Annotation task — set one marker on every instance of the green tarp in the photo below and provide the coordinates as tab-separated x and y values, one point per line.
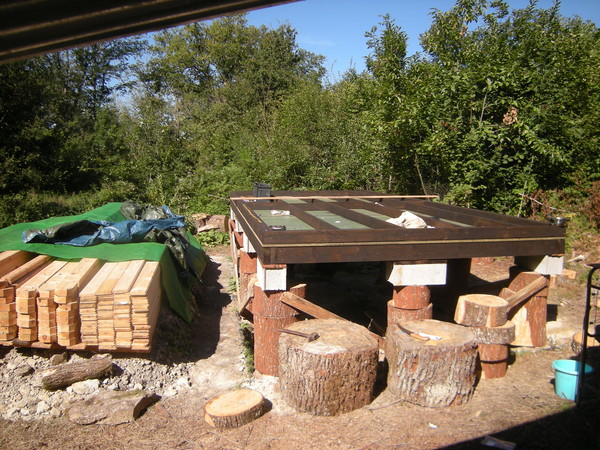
177	290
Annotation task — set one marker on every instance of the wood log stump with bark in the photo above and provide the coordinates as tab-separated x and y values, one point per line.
270	315
530	316
481	310
411	297
234	409
66	374
493	359
433	373
331	375
400	315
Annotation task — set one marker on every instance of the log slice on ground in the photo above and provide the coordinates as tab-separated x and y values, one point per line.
234	409
432	373
331	375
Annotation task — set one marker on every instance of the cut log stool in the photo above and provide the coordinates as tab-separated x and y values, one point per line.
234	409
434	373
493	348
331	375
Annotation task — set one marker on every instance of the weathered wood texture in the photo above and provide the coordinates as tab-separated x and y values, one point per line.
411	297
69	373
530	316
400	315
331	375
432	373
234	409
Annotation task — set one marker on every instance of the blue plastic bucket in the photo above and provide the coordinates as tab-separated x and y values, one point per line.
566	373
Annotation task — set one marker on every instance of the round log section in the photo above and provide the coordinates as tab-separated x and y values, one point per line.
493	359
592	347
481	310
411	297
433	373
504	334
234	409
332	374
270	315
398	315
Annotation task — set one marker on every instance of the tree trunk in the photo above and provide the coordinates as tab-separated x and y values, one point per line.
481	310
432	373
411	297
493	359
67	374
332	374
399	315
529	317
234	409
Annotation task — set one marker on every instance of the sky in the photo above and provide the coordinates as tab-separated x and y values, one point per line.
336	28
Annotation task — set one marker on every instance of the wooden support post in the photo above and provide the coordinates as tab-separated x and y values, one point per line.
410	300
530	316
247	279
270	315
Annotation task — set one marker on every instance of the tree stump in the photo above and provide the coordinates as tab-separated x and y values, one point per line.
332	374
411	297
234	409
529	317
481	310
432	373
504	334
398	315
493	359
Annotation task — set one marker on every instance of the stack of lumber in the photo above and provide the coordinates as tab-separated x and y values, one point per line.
78	305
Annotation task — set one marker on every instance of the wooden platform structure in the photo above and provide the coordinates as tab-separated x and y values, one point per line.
292	227
86	304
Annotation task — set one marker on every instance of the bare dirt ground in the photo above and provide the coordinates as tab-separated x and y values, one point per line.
521	408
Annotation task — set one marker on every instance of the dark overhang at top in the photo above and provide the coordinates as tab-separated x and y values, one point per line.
33	27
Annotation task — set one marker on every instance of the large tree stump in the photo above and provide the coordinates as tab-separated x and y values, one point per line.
432	373
332	374
234	409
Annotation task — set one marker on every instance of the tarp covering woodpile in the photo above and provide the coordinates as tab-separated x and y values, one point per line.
177	274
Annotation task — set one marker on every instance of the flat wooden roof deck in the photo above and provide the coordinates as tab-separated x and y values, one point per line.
344	226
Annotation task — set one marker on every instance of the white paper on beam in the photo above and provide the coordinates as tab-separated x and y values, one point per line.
271	279
544	264
416	274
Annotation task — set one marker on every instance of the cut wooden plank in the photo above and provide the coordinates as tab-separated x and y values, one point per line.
27	295
307	307
88	305
23	270
11	259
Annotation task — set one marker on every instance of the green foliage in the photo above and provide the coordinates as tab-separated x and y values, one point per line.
212	238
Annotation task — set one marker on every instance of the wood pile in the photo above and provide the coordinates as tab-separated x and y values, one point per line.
84	304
